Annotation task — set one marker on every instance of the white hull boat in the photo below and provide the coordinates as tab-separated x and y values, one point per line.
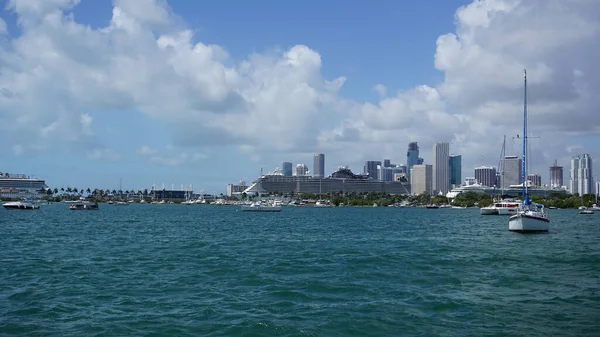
260	207
529	222
20	205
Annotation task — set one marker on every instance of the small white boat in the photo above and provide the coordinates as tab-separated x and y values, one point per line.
503	207
24	204
122	203
260	207
323	204
585	211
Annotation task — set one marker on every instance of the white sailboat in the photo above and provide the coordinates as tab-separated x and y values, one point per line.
322	203
531	217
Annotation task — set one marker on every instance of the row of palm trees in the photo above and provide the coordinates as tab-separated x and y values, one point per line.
93	192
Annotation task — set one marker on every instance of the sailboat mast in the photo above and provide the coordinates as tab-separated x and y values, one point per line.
524	163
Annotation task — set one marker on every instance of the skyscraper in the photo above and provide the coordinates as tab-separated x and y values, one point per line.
455	170
511	166
441	167
371	168
319	165
486	175
286	169
581	175
421	179
387	163
412	156
556	175
535	179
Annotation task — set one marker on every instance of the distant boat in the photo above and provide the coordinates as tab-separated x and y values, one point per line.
84	205
530	217
259	206
24	204
586	211
432	206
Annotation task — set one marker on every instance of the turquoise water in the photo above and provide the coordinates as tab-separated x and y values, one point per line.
176	270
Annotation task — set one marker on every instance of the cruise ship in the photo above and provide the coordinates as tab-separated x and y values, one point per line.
20	186
343	180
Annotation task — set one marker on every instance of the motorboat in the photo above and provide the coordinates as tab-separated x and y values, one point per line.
502	207
259	206
84	205
23	204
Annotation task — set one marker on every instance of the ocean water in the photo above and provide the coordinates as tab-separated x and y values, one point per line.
199	270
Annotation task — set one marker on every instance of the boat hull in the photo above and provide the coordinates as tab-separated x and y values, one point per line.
261	208
498	211
20	205
523	223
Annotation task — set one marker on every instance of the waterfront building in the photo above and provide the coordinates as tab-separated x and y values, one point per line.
239	188
441	167
512	166
371	169
422	179
455	170
319	165
535	179
287	169
21	186
301	170
412	156
556	175
580	180
486	175
386	173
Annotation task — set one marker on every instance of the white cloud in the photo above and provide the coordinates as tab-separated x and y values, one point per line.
104	155
278	102
146	150
3	29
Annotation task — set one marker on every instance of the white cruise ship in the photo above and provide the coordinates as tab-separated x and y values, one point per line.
20	186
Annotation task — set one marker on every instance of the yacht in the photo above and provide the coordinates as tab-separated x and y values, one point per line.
585	211
259	206
323	204
502	207
84	205
24	204
531	217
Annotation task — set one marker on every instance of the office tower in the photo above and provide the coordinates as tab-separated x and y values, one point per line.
301	170
319	166
412	156
286	169
371	168
512	166
556	175
535	179
581	175
387	173
455	170
486	176
441	167
387	163
421	180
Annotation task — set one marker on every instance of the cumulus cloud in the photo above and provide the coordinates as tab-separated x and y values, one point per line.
58	73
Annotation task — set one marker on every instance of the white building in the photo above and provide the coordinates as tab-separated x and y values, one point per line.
580	178
441	167
421	179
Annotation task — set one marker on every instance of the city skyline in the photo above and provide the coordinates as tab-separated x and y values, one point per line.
206	93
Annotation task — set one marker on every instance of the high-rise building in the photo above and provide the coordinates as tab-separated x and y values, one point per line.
286	169
301	170
412	156
387	163
441	167
581	175
535	179
319	165
387	173
455	170
486	175
556	176
421	179
371	168
511	167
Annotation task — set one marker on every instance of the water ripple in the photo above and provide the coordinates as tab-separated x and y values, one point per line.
213	271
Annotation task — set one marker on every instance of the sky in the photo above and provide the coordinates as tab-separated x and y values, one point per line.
205	93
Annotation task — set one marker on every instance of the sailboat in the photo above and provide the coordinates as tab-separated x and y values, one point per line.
322	203
121	202
531	217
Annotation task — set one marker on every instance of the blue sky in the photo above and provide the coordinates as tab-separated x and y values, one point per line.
388	43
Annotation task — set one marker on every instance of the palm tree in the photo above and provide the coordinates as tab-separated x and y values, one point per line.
55	190
69	190
145	191
89	191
